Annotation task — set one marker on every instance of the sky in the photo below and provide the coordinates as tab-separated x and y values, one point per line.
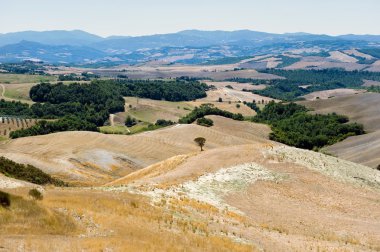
143	17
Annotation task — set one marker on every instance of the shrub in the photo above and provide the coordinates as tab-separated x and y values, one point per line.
205	122
129	121
5	200
35	194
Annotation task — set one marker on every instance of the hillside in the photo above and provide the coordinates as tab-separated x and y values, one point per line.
93	158
300	188
189	47
362	108
157	191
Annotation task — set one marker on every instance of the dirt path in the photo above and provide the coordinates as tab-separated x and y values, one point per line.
112	121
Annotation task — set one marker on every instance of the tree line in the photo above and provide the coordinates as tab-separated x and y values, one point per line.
302	82
292	125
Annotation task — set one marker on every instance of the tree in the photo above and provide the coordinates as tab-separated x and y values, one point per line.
129	121
220	99
5	200
200	141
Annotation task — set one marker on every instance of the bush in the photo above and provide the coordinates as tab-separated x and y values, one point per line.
205	122
35	194
5	200
164	123
130	121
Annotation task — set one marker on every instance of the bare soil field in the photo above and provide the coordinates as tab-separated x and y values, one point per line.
362	108
243	193
375	67
369	83
93	158
247	180
233	95
335	61
325	65
218	72
360	149
342	57
327	94
358	54
235	85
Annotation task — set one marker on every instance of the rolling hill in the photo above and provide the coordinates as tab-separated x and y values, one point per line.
189	46
362	108
93	158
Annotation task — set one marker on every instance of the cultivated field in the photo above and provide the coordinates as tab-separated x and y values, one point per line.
8	124
217	72
158	191
93	158
362	108
24	78
327	94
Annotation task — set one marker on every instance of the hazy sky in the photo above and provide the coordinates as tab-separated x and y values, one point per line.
139	17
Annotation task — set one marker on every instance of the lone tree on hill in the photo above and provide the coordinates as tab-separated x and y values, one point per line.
200	141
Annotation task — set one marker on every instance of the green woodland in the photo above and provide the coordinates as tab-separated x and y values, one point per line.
87	106
292	125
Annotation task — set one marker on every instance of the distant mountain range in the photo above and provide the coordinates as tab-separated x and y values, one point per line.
190	46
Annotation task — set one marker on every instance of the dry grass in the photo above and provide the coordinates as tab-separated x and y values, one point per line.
24	78
28	217
118	222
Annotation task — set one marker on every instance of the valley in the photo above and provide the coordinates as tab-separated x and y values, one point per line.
191	141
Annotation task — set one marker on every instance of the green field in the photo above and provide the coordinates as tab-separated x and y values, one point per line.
25	78
151	110
124	130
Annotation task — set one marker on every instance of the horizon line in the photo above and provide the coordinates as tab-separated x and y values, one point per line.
201	30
